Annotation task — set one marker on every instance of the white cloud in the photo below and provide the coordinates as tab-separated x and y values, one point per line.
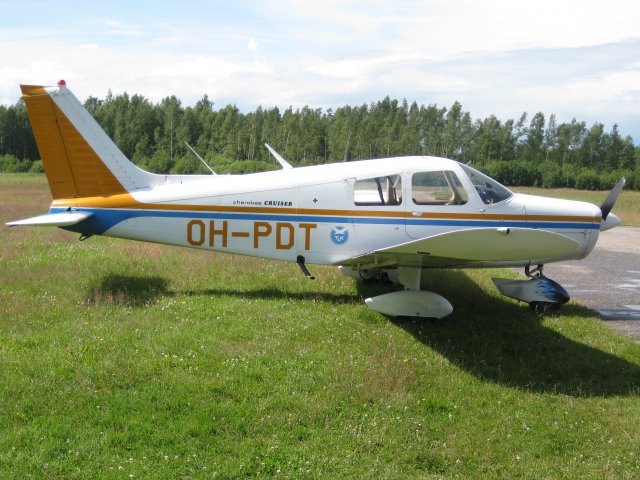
402	75
445	28
115	27
33	72
494	56
350	15
207	67
596	95
92	71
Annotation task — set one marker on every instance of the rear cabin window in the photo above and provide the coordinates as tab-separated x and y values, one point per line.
437	188
385	190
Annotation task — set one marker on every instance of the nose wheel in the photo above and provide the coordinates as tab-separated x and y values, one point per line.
544	307
540	292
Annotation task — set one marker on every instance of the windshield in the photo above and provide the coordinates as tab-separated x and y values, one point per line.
489	190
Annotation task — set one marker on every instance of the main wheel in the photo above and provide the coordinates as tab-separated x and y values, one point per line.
543	307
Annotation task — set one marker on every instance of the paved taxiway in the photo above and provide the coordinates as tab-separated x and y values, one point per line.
608	280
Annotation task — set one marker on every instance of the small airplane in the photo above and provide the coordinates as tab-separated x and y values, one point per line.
385	219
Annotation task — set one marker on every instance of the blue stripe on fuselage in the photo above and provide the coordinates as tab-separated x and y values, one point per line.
103	219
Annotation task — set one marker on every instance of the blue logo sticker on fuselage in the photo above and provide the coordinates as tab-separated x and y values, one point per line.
339	235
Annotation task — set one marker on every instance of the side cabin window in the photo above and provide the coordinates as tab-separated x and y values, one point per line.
437	188
385	190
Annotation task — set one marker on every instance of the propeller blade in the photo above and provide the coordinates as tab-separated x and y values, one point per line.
608	203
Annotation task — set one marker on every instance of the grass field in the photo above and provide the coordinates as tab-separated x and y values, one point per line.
127	360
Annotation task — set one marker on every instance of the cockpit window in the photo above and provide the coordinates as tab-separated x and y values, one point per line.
385	190
437	188
489	190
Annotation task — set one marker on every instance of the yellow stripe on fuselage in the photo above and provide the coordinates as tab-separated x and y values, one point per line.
126	201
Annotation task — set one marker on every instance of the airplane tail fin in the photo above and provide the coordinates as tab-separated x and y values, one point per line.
79	158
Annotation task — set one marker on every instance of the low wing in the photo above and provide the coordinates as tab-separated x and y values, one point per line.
52	220
471	246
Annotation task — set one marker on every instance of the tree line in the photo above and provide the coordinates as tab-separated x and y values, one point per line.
529	151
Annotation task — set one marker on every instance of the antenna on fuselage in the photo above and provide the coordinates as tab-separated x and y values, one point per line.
278	157
200	158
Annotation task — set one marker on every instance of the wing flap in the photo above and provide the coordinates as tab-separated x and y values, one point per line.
52	220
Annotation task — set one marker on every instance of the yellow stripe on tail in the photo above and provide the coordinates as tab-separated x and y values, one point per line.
72	166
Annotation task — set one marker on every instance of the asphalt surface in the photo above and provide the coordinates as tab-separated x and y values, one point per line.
608	280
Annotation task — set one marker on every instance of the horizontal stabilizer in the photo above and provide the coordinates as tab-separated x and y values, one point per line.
52	220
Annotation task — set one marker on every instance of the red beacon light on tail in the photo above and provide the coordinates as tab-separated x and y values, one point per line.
62	83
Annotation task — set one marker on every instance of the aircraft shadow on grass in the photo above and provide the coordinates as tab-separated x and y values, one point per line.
512	348
515	349
128	290
278	294
139	291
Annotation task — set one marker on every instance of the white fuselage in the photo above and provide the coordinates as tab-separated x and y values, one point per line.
328	213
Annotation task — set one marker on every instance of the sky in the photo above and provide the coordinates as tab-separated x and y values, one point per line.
575	59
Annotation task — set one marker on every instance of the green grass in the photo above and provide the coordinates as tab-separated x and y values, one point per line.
627	208
129	360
